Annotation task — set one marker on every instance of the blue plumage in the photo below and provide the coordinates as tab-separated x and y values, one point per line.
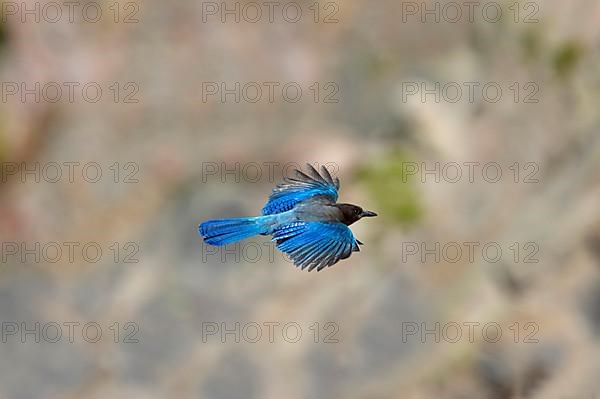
287	195
316	244
303	218
228	231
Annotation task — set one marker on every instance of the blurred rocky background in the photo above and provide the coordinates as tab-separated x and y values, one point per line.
172	152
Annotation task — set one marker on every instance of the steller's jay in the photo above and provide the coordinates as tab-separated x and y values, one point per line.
304	219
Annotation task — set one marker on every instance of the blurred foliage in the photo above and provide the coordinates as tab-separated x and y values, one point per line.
392	188
531	41
563	59
566	58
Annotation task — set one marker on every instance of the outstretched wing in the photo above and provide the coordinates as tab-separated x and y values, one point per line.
300	187
315	244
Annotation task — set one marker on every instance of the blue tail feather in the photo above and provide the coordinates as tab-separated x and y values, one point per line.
228	231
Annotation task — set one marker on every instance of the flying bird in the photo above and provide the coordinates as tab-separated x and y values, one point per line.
304	219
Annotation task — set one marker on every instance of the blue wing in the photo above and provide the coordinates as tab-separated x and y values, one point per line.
301	187
315	244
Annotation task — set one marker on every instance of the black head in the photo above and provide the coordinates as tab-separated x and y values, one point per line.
352	213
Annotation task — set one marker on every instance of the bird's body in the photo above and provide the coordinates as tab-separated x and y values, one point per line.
304	219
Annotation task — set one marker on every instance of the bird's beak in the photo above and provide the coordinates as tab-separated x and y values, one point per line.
367	214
